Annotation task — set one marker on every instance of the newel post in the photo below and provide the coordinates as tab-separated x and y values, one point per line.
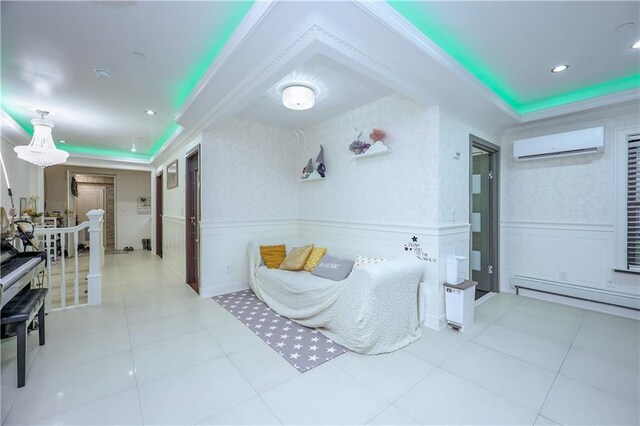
96	254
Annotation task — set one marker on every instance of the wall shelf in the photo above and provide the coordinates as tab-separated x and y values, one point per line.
372	154
311	179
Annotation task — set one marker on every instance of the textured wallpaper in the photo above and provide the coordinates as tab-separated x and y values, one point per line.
576	189
401	187
249	173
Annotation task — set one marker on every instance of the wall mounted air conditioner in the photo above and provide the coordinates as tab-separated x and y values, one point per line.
583	141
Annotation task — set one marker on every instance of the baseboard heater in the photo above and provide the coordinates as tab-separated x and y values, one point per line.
573	291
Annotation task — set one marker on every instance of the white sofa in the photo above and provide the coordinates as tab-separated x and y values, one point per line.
374	310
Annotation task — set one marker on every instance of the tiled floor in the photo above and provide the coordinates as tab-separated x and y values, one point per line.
155	353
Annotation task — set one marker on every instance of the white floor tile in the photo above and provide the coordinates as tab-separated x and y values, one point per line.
389	375
163	294
61	390
571	402
145	332
194	395
625	327
551	310
263	367
540	325
436	346
85	320
250	412
119	409
324	395
536	350
605	373
233	336
392	416
444	398
66	352
623	348
154	310
543	421
213	315
174	354
519	381
151	284
496	306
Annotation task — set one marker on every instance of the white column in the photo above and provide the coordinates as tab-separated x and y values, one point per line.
96	254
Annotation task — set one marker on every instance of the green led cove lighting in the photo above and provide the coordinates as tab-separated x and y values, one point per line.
234	14
415	13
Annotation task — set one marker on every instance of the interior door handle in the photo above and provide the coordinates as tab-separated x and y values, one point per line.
193	220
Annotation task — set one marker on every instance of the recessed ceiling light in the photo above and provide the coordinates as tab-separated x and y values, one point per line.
636	45
559	68
133	148
102	73
139	55
624	27
150	112
62	141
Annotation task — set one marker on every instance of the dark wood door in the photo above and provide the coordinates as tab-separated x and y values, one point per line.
159	210
192	219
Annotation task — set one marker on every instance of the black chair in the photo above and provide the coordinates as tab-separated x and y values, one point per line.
20	311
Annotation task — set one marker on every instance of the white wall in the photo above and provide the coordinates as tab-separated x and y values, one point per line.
558	214
23	178
131	227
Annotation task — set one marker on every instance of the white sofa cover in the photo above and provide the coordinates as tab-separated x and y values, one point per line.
374	310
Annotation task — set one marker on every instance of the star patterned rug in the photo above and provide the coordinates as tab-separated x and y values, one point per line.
302	347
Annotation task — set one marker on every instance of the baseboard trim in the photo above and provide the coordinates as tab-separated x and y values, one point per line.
223	289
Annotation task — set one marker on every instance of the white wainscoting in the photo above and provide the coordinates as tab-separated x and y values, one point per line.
131	229
223	253
577	254
173	244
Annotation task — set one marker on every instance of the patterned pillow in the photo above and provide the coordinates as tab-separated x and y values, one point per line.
296	259
366	261
314	258
273	256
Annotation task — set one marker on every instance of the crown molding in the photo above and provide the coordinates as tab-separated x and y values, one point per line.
11	131
587	104
391	19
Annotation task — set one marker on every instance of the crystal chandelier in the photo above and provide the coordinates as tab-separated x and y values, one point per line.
298	97
41	151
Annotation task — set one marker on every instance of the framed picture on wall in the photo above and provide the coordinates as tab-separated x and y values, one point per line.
23	205
172	174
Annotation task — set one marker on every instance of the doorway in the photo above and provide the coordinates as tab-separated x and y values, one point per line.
192	214
483	215
90	184
90	198
159	211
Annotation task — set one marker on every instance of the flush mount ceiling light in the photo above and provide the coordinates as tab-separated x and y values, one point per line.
102	73
636	45
559	68
150	112
41	151
298	97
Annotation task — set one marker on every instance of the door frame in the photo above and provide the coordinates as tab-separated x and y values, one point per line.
159	212
494	205
190	198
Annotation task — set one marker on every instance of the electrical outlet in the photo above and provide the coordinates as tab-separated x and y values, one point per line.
228	269
564	276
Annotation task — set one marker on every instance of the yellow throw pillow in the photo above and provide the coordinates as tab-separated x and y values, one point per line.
296	258
314	258
273	256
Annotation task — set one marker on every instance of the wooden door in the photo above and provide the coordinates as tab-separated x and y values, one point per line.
89	198
159	211
192	219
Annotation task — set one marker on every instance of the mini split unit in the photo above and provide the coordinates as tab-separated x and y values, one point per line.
585	141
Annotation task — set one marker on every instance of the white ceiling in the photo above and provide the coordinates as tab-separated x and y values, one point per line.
338	89
353	52
50	51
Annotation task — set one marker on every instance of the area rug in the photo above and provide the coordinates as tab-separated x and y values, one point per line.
302	347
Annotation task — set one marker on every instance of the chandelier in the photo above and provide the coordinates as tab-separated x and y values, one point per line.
298	97
41	151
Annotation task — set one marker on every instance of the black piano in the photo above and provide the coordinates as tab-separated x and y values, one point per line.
18	270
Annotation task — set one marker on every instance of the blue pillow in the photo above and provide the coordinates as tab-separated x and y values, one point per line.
333	268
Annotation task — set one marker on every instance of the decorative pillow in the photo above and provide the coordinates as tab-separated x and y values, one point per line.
333	268
365	261
296	258
273	256
314	258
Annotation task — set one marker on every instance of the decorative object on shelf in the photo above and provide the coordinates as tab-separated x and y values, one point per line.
320	163
308	169
358	146
298	97
23	205
172	174
377	135
41	151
